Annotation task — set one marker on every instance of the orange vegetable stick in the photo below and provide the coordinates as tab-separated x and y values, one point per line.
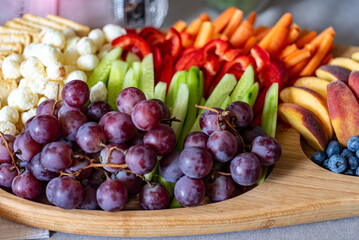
295	70
296	57
241	35
301	41
327	59
205	34
233	23
180	26
288	50
186	39
252	17
312	48
319	38
194	27
223	19
223	37
248	45
292	36
283	22
277	43
262	34
259	30
295	26
323	49
303	32
204	17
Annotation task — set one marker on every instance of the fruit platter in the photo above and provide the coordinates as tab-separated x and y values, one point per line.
210	126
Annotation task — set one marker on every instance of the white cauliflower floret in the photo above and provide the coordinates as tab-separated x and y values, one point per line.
15	57
98	36
7	127
27	115
86	46
98	92
76	75
10	114
56	71
11	69
113	31
71	42
44	52
22	99
53	38
87	62
32	68
50	90
104	50
69	32
41	100
71	55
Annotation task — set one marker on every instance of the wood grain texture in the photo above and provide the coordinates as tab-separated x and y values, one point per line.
297	191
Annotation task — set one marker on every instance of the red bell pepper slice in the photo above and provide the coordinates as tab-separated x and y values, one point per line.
260	56
132	43
269	74
157	63
187	50
173	43
131	31
167	69
216	47
231	54
259	104
150	31
283	71
211	64
186	60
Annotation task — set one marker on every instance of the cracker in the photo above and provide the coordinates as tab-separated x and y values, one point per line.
20	24
80	29
23	38
6	86
44	22
16	47
29	24
16	30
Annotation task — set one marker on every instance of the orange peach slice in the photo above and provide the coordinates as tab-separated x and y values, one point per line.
313	83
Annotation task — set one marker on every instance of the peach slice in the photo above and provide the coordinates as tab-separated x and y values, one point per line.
345	62
312	101
313	83
353	83
343	111
333	73
306	123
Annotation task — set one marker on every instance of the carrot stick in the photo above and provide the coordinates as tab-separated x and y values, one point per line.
301	41
292	36
205	34
277	43
193	27
261	35
319	38
241	35
252	17
295	70
204	17
186	39
327	59
296	57
312	48
223	19
288	50
295	26
259	30
223	37
233	23
319	55
180	26
248	45
303	32
283	22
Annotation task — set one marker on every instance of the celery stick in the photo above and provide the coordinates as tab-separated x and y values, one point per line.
168	185
263	176
147	76
102	70
115	81
130	79
175	204
244	83
180	108
203	101
194	86
218	96
269	117
151	174
160	91
177	79
137	72
132	57
251	95
226	102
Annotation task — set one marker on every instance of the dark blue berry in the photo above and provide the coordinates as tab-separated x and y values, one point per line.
357	172
337	164
349	172
346	152
325	163
318	157
333	148
357	154
353	162
353	144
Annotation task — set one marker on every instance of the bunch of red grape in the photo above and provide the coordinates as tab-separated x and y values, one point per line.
93	157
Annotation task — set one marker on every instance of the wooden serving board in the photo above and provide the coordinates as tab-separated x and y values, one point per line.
297	191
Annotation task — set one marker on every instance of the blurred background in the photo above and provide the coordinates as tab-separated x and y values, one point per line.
312	14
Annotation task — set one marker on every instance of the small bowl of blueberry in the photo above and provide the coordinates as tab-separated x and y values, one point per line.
338	159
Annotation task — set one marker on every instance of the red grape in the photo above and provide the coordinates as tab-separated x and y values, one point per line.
189	192
66	108
50	189
166	114
26	147
67	193
112	195
26	186
90	136
75	93
79	163
27	123
97	109
267	149
132	182
146	115
47	106
45	128
56	156
117	156
128	98
5	156
222	145
209	122
251	132
169	167
242	112
141	159
162	139
70	122
196	139
195	162
220	188
246	169
38	171
7	174
155	197
89	201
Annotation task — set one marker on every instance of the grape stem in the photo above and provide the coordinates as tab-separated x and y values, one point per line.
224	114
56	100
170	120
10	152
224	173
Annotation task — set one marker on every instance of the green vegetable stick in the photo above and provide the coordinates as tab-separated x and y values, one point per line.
177	79
269	117
115	81
180	108
130	79
160	91
137	72
147	76
168	185
244	83
102	70
132	57
251	95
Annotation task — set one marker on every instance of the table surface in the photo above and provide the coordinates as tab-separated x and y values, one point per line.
311	14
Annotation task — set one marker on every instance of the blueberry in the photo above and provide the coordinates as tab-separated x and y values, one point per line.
357	154
353	144
337	164
318	157
333	148
353	162
346	152
356	172
349	172
325	163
